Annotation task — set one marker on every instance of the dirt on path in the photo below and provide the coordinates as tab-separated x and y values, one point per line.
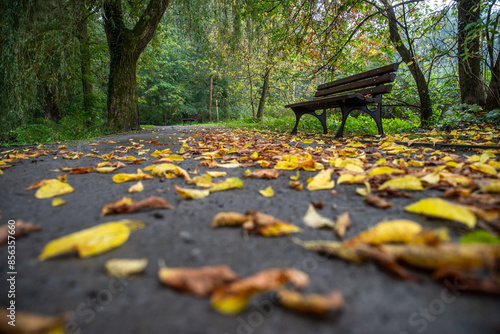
375	301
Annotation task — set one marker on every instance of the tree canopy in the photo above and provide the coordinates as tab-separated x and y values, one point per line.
110	64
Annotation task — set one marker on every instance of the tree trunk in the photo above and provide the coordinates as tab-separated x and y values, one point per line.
408	58
263	96
493	98
469	56
85	69
52	111
210	98
125	47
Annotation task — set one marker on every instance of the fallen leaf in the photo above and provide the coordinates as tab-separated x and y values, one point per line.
268	192
480	237
200	282
93	240
267	225
128	205
203	181
136	188
313	304
384	170
398	230
295	177
491	187
364	191
121	177
407	182
342	223
52	188
58	202
377	201
234	297
191	193
105	170
297	185
229	183
18	229
31	323
77	170
264	174
229	219
466	282
322	180
439	208
125	267
351	179
315	220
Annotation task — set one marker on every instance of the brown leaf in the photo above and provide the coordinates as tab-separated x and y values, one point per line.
234	297
377	201
342	223
264	174
77	170
19	229
312	304
229	219
31	323
463	281
127	205
297	185
197	281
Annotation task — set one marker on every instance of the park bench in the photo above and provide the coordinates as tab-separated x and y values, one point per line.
361	91
190	118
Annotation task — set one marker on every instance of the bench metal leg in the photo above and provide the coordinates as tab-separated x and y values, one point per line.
321	117
375	114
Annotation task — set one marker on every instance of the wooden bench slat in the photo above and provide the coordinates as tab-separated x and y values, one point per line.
368	74
383	79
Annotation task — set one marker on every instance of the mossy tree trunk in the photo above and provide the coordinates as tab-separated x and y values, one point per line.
125	48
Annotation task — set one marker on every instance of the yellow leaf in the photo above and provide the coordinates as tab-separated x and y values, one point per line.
295	177
364	191
106	170
125	267
384	170
229	183
175	157
254	155
286	165
414	163
492	187
229	219
136	188
400	230
121	177
322	180
203	181
439	208
217	174
157	154
191	193
484	168
407	182
297	185
268	192
431	178
92	241
53	188
58	202
349	178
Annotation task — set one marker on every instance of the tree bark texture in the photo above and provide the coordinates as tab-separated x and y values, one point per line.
85	68
493	97
263	96
408	58
125	47
52	111
469	56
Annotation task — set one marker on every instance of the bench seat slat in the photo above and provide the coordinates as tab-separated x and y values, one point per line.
375	72
383	79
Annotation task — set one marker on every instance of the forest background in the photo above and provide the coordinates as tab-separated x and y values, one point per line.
77	69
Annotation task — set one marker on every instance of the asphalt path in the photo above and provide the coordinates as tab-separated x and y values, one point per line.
375	301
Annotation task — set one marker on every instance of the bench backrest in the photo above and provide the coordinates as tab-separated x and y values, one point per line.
370	82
